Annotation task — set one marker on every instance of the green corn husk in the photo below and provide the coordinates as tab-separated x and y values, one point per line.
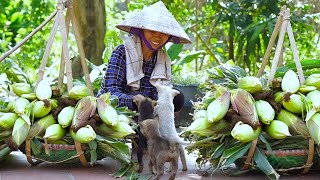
313	125
4	134
296	125
21	88
250	83
7	120
244	132
200	122
107	113
119	131
40	126
54	104
106	98
30	96
43	90
218	108
65	116
123	118
41	108
83	135
20	105
85	108
20	131
122	130
54	132
293	103
278	97
265	111
290	82
78	92
221	127
313	80
243	103
277	129
314	97
4	152
306	89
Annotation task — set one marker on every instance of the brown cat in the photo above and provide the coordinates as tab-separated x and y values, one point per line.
161	150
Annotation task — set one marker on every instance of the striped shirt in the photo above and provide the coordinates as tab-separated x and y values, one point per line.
115	78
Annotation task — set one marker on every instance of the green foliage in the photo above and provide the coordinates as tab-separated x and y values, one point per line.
18	18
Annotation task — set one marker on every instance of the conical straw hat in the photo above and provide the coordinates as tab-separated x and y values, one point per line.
155	17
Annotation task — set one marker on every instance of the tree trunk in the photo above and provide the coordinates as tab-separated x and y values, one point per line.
91	17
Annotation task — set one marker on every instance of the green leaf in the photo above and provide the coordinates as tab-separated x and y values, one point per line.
239	153
266	143
257	30
189	57
218	151
232	154
264	165
174	51
121	172
93	151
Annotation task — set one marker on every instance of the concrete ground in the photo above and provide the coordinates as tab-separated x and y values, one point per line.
16	167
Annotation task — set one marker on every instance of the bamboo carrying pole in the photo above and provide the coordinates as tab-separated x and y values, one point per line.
65	65
283	24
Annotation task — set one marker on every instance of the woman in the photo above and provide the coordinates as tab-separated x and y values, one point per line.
135	66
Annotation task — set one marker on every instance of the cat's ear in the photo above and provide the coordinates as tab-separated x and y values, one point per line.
175	92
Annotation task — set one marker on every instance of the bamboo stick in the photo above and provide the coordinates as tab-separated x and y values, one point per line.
65	48
271	42
47	50
62	62
81	51
279	46
295	53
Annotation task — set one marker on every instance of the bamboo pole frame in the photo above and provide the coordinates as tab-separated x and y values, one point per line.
282	26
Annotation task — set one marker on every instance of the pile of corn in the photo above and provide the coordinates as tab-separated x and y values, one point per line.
238	108
57	117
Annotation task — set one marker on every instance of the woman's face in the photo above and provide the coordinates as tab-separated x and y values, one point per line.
156	39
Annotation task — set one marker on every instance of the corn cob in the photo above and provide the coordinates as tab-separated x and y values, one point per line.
78	92
21	88
250	83
40	126
265	111
107	113
43	90
20	131
65	116
277	129
244	132
313	125
313	80
296	125
7	120
243	103
290	82
41	108
218	108
85	108
293	103
83	135
54	132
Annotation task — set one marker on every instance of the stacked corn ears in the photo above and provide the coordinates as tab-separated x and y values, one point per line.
54	116
238	108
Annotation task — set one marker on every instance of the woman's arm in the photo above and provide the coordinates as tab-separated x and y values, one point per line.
115	78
